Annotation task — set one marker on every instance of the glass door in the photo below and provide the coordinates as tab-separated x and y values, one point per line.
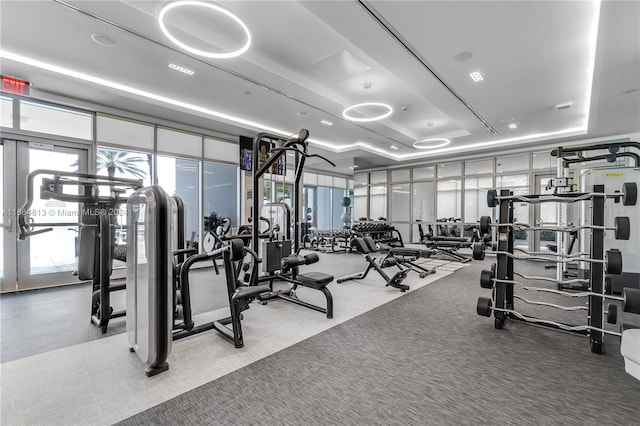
545	214
47	259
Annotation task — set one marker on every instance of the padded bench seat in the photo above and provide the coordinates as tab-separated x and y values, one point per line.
630	350
315	280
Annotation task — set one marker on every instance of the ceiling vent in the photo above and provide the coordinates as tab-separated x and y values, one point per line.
342	66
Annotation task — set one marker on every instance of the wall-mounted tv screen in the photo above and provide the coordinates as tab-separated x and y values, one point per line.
246	156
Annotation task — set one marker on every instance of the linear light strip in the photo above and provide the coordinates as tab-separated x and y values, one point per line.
593	39
132	90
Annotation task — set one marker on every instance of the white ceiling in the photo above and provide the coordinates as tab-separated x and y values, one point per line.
315	57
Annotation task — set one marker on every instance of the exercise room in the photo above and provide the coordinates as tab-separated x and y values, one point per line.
320	212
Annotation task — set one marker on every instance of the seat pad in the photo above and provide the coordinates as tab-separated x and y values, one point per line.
315	280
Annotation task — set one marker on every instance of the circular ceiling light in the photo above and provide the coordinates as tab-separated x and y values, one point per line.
103	40
431	143
195	51
385	114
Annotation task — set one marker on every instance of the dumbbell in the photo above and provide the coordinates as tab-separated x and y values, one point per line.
622	227
629	196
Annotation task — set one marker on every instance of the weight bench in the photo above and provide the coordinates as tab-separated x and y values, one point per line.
366	246
315	280
447	246
404	256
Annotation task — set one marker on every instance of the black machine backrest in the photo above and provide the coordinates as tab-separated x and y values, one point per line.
360	245
87	252
237	249
371	244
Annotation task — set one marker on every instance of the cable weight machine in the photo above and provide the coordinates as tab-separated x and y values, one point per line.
286	252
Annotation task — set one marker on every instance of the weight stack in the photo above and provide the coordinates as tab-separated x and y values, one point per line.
273	252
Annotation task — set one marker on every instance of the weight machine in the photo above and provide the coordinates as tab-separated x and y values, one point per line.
97	218
586	178
280	257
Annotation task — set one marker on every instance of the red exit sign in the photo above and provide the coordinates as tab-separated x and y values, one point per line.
15	85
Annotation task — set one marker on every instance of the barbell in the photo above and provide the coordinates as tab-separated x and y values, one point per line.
487	282
484	307
613	261
621	227
629	196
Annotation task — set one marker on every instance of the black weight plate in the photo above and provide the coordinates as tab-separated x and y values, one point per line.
492	198
485	225
614	262
608	286
483	307
631	300
486	279
494	266
478	251
629	193
623	227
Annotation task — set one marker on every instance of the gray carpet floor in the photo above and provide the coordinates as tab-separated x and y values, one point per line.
425	358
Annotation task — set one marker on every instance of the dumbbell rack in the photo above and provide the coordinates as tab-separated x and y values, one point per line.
502	302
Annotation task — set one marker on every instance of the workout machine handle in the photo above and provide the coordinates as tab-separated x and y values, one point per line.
23	235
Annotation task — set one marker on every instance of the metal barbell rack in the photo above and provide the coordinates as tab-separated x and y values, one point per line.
501	304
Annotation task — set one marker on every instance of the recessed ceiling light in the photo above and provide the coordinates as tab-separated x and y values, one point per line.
303	114
431	143
346	115
395	148
103	40
476	76
565	105
207	54
355	166
463	56
326	122
513	126
181	69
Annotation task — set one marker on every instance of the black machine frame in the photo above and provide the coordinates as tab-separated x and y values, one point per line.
318	281
97	215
